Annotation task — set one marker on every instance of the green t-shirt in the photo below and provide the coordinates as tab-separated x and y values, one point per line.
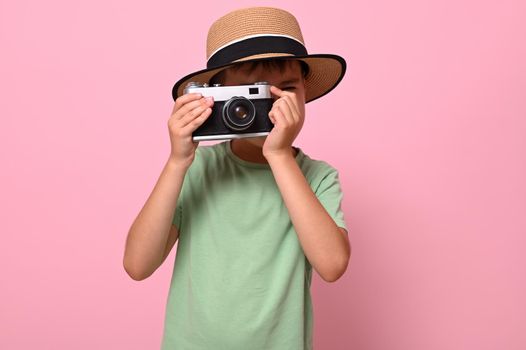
241	280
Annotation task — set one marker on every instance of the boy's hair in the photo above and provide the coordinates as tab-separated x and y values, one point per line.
219	78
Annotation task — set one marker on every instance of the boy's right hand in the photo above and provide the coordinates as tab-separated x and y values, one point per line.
190	111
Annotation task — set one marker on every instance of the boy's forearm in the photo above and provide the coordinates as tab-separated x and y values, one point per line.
148	235
326	247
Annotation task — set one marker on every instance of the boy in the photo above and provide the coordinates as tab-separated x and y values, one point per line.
252	215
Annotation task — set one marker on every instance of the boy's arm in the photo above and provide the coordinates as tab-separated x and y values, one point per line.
152	234
325	245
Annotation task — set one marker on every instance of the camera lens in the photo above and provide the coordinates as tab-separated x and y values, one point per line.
239	113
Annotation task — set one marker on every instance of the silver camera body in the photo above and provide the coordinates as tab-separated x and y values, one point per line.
238	111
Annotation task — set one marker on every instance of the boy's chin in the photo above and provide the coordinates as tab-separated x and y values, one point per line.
257	141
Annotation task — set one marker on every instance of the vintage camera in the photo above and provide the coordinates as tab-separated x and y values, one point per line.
239	111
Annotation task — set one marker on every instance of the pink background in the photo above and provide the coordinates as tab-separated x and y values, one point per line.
427	129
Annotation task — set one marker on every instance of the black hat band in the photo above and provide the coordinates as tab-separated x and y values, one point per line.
255	46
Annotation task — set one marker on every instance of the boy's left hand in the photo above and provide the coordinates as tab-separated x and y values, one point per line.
287	118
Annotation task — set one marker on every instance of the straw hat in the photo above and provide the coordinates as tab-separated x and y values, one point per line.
264	33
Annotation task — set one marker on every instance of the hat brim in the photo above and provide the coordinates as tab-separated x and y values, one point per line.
325	73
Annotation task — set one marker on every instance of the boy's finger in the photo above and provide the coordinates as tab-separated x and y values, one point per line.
196	122
287	98
278	109
190	106
279	117
187	107
275	90
183	99
287	112
292	104
194	113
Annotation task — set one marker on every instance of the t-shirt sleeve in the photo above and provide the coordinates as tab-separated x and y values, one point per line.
330	195
179	208
178	215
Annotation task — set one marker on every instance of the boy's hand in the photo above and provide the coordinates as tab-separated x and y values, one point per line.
190	111
287	117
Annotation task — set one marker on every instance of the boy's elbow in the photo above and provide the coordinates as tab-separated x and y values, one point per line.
338	269
134	272
335	274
